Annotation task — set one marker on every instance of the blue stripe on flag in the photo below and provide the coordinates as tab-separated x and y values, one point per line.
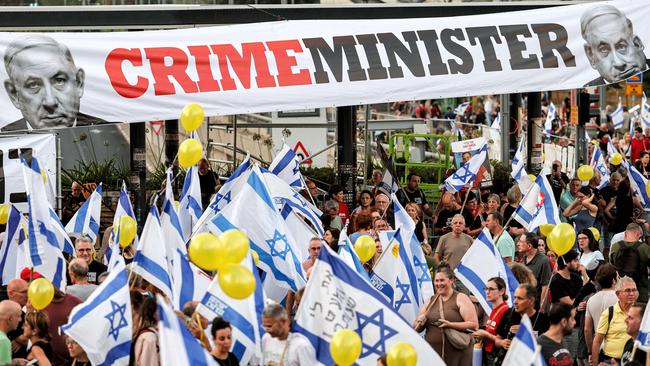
125	203
117	352
111	288
260	188
81	216
524	335
473	278
284	162
187	280
409	269
238	349
230	314
152	267
321	346
548	206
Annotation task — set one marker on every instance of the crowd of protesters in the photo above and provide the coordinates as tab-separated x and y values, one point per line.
585	305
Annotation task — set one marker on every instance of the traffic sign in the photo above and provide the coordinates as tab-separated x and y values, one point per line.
636	79
634	89
574	115
301	152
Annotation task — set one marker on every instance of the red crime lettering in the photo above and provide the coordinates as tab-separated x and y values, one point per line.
113	67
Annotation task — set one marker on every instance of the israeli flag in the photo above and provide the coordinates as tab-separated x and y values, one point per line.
643	337
645	112
550	117
245	316
178	347
394	275
286	165
617	115
233	185
150	260
102	325
496	124
388	185
524	349
538	206
254	212
301	233
598	163
86	220
406	228
282	194
466	173
349	256
461	108
638	184
189	207
123	208
519	173
46	237
480	263
12	251
336	297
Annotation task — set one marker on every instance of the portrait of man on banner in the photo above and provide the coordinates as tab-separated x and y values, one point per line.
611	46
44	84
462	151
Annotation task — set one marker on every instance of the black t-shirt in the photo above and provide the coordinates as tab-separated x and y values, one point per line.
444	218
511	317
507	213
404	197
230	361
608	193
639	355
556	184
561	287
208	183
94	270
555	354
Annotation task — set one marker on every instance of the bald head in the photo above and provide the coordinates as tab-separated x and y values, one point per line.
17	291
10	315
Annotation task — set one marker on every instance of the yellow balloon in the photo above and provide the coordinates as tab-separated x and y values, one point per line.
546	229
562	238
40	293
595	232
616	159
345	347
365	248
206	251
585	173
127	227
647	188
190	152
532	177
192	116
235	244
236	281
402	354
256	257
4	213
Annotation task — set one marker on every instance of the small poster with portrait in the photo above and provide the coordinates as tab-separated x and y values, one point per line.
464	150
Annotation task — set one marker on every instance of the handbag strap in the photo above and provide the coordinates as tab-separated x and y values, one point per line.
442	330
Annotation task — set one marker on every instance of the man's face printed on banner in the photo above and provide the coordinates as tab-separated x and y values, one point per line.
612	47
46	86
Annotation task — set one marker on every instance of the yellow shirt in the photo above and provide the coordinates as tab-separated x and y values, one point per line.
614	332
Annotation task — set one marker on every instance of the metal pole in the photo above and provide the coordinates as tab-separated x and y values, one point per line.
171	148
59	159
505	127
347	157
234	142
139	170
319	152
366	147
534	132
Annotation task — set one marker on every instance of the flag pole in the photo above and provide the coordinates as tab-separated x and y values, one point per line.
465	201
512	216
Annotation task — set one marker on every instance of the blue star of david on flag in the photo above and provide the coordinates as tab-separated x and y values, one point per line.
117	311
466	173
422	266
275	251
404	299
384	332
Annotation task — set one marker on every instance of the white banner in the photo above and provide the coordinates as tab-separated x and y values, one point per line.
12	183
66	79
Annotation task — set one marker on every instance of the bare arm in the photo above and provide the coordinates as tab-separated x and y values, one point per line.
544	298
595	348
589	331
37	353
425	235
467	312
610	205
572	209
437	257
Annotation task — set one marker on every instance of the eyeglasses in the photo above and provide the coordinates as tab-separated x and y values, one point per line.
490	289
629	291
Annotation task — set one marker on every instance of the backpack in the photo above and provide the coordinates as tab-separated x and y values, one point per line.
628	261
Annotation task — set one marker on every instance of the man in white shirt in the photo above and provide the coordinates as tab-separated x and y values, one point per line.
279	345
603	299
